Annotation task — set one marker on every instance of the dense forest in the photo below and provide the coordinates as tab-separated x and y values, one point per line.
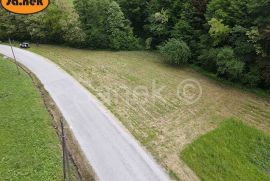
230	38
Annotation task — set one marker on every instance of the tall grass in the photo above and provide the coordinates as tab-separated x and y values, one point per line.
234	151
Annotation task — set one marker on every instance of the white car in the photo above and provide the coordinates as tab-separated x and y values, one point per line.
24	45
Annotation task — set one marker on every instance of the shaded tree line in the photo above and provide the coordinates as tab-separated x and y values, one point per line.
105	25
59	23
230	38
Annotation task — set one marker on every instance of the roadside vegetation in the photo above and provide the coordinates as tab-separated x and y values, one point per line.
166	125
233	152
30	148
228	38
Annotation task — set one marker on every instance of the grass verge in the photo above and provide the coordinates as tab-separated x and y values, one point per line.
29	145
233	151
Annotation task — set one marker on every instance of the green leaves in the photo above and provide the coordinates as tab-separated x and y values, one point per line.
175	52
232	12
158	23
105	25
218	30
228	65
254	38
57	24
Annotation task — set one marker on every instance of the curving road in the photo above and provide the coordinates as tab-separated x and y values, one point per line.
113	153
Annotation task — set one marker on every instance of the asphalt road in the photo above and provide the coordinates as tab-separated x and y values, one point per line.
112	152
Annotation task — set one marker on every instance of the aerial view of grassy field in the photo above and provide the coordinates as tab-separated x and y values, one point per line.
233	151
147	90
30	149
142	92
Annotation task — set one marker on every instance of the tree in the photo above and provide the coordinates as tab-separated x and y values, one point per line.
92	15
232	12
105	25
254	38
137	13
218	31
200	5
6	27
57	24
118	28
36	28
259	12
71	25
158	23
228	65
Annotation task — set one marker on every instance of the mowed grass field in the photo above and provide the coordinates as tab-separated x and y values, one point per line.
129	84
29	146
232	152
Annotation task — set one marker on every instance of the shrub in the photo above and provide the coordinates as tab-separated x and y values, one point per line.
148	43
228	65
251	78
264	71
207	59
175	52
243	49
183	30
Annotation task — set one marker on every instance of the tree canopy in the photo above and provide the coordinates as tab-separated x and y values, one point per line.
230	38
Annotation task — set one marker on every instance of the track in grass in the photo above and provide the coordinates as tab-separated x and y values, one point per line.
29	145
164	126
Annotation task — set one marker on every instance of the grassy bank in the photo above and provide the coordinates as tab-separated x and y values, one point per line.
128	83
213	76
29	145
233	151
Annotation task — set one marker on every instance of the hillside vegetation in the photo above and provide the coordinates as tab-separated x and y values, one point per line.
229	38
128	84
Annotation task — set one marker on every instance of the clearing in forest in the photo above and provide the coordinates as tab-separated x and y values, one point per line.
142	92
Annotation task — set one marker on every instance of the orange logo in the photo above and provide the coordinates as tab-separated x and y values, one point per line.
25	6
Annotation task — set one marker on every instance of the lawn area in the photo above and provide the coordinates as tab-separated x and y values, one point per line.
232	152
141	91
30	149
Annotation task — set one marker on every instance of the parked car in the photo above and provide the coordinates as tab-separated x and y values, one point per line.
24	45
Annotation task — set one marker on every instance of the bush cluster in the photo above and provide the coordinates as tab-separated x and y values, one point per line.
175	52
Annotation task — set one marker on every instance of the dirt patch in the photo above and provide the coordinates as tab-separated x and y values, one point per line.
83	168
